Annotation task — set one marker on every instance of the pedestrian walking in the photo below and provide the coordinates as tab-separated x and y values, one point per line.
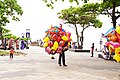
92	49
11	53
62	55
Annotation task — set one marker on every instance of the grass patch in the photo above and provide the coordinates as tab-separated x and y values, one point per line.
6	53
3	53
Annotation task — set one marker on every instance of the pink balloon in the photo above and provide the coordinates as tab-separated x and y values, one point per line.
113	44
48	50
59	50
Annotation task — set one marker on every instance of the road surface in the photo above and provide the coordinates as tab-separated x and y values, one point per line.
37	65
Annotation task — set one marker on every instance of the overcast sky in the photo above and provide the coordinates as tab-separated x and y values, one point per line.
38	18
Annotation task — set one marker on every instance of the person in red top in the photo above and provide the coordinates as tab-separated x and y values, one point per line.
11	53
17	44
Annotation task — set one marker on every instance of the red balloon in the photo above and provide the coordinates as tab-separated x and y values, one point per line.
50	43
69	34
60	27
58	39
68	39
61	33
118	36
61	43
54	37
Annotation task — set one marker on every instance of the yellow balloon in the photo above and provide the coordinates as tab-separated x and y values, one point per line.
50	27
65	38
68	43
45	45
118	29
117	50
54	48
117	55
55	45
70	37
46	39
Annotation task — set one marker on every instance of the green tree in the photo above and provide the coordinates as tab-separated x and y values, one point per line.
9	9
50	3
77	16
70	17
109	7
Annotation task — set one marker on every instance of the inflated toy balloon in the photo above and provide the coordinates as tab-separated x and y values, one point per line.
64	38
61	33
113	38
117	54
50	43
118	37
45	45
118	29
58	39
59	50
55	46
61	43
48	50
69	39
68	34
46	39
60	27
54	37
114	44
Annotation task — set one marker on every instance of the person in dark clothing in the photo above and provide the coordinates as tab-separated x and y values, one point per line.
92	49
11	52
62	55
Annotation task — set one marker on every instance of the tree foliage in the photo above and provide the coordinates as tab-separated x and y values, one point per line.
109	7
79	16
49	3
9	10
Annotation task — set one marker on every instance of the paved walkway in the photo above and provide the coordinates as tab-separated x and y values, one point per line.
37	65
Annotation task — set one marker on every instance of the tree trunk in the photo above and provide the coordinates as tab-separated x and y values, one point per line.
1	37
113	14
77	36
81	40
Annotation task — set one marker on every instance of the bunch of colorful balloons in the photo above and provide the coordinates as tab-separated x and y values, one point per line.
55	39
113	43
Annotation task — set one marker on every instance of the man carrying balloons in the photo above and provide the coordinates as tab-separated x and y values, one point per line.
62	55
56	41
